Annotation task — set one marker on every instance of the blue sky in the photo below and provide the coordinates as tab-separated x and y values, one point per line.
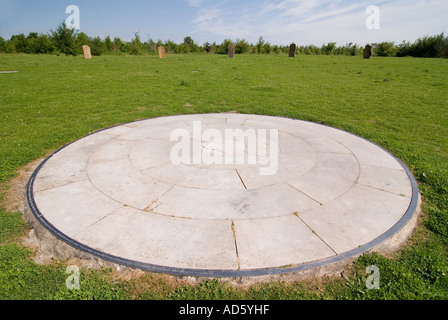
278	21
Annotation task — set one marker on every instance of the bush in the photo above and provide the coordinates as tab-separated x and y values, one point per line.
277	49
441	46
2	45
241	46
426	47
385	49
171	46
187	46
210	48
267	48
64	39
42	44
119	45
329	49
68	41
108	44
349	49
310	49
224	47
136	46
20	43
97	46
260	46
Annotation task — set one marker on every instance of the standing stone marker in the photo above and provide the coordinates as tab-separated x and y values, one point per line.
368	52
292	50
162	52
231	50
87	53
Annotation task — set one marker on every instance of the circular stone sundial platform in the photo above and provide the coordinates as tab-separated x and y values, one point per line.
118	195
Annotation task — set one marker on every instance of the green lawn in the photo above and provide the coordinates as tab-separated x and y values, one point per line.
399	103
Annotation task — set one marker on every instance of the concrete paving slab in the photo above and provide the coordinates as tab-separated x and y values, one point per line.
277	242
196	178
289	167
75	206
150	153
331	177
119	195
391	180
270	201
66	169
120	181
159	240
356	218
149	130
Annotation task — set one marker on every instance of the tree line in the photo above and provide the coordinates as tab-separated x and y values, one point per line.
67	41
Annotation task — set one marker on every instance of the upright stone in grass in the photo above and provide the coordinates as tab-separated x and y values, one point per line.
162	52
368	52
86	51
292	50
231	50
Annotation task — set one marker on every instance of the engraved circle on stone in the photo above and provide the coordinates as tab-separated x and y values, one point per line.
141	150
147	161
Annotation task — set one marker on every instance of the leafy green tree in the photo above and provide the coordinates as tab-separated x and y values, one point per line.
10	47
267	47
171	46
425	47
20	43
183	48
151	46
97	46
385	49
189	41
210	48
136	45
118	46
188	46
42	45
2	45
260	46
329	49
310	49
277	49
109	44
442	46
241	46
404	49
64	39
351	49
81	40
223	48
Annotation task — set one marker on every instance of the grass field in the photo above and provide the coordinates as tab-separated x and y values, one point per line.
399	103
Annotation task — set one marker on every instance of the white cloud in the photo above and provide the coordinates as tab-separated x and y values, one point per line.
320	21
194	3
302	8
336	13
205	15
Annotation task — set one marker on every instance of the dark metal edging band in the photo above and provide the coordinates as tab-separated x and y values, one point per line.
222	273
